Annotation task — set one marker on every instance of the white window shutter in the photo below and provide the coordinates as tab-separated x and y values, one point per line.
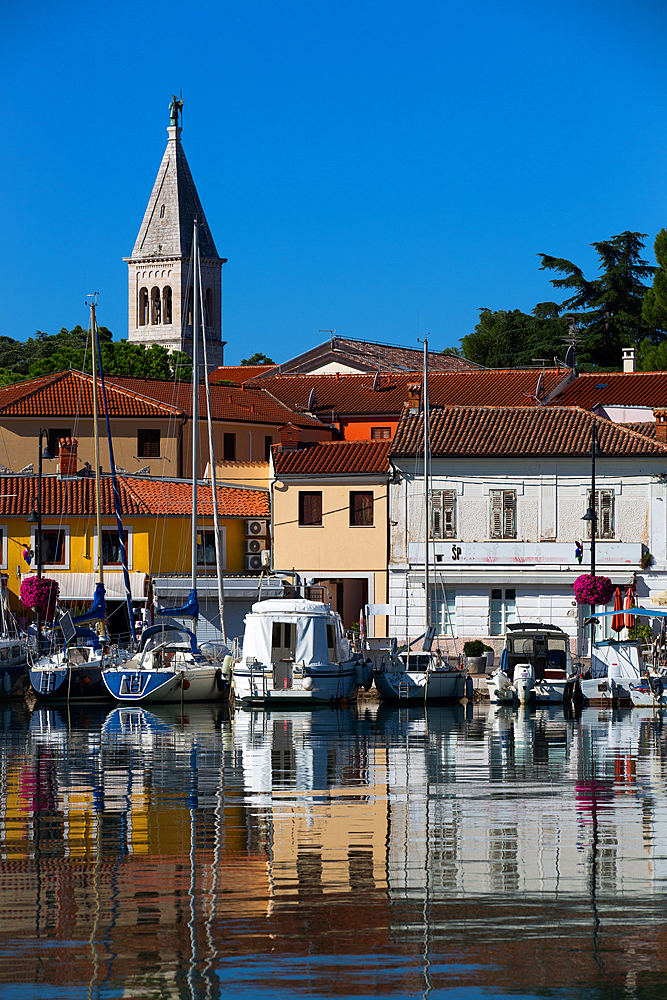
449	513
509	514
496	507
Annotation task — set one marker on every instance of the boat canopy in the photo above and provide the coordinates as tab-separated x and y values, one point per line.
170	635
310	644
189	610
291	606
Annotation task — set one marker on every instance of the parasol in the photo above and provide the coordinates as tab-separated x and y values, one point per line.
629	603
617	621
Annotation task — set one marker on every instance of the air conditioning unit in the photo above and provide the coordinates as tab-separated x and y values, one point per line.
253	545
254	562
256	527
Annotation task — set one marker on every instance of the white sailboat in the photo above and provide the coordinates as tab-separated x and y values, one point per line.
421	675
170	666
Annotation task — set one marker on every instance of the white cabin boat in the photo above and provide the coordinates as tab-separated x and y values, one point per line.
418	676
295	650
535	665
615	666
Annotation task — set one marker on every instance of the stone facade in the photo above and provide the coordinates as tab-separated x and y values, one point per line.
160	303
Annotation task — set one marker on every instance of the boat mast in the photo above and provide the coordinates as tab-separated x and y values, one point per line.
214	488
427	476
98	508
195	395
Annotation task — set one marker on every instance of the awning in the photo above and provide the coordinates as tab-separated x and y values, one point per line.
81	586
234	587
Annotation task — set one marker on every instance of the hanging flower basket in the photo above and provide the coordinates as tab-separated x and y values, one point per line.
41	595
593	589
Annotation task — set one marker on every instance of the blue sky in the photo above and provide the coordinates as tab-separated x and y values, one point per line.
369	167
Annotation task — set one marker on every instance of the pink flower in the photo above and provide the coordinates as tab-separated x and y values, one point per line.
40	594
593	589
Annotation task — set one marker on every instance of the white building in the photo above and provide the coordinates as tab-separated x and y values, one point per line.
509	488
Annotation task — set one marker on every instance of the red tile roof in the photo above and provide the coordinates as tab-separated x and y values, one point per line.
238	373
342	458
616	389
175	497
367	355
145	497
240	404
67	394
499	431
645	427
348	395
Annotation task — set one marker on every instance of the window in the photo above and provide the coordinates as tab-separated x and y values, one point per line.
310	508
503	610
55	435
111	553
143	307
208	307
331	643
3	546
380	433
283	641
162	212
443	514
361	509
148	444
229	448
503	513
53	547
166	304
604	509
443	610
268	441
155	306
206	548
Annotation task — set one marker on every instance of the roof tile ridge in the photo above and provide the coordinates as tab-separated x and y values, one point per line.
628	430
131	394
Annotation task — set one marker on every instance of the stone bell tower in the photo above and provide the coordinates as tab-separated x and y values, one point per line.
160	269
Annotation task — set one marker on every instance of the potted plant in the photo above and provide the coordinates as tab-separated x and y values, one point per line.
40	594
489	653
473	650
593	589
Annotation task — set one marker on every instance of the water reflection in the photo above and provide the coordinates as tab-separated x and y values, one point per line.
390	852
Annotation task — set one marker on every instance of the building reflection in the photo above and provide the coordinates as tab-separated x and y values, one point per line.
154	847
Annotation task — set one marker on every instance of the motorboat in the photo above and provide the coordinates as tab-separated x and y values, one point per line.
535	666
169	667
649	692
616	665
418	676
295	650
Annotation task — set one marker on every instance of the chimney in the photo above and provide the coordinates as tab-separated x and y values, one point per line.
289	438
68	460
412	402
660	426
629	359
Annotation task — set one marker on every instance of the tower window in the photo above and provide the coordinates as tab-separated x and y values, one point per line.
208	307
162	212
143	306
155	306
166	304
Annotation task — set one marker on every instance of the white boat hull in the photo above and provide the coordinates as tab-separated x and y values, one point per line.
331	683
419	686
145	687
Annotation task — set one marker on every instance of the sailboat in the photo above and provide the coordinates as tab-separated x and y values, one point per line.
421	675
72	668
170	666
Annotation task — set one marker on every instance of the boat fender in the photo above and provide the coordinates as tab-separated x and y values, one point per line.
656	684
307	684
227	666
85	680
470	688
185	683
221	682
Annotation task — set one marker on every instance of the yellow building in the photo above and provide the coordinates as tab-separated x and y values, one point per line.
157	523
329	520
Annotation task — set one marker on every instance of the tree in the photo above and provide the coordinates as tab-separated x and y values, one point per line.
608	308
258	359
510	338
654	309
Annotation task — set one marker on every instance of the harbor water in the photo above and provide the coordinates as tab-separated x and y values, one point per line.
362	852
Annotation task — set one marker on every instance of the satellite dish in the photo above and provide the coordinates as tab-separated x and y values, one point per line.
569	357
312	401
376	382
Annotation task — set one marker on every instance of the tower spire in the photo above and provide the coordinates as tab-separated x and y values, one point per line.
160	292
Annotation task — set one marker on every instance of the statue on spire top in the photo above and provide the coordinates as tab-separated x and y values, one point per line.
174	108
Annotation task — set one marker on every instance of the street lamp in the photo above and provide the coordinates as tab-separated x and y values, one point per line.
591	514
35	517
